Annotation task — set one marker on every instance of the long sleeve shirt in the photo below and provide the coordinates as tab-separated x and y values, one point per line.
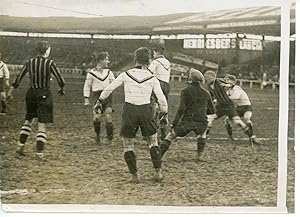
138	86
97	80
218	92
4	73
238	96
195	104
40	70
161	68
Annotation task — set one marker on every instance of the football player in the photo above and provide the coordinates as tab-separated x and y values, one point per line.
97	79
139	83
195	105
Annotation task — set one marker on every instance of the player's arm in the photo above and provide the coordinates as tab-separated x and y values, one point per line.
210	105
20	76
180	109
87	88
112	86
161	99
59	78
152	67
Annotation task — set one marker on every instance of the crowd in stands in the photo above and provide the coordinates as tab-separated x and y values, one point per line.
75	53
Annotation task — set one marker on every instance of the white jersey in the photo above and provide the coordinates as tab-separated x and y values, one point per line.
97	80
161	68
238	96
4	73
138	87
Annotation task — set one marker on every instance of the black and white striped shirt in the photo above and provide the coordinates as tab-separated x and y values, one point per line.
218	92
39	70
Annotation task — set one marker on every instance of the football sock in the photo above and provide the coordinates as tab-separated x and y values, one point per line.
229	129
3	105
109	131
250	126
25	132
164	146
130	160
41	139
200	144
155	157
97	127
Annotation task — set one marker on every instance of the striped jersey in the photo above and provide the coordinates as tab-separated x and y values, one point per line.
238	96
160	67
138	86
97	80
218	92
40	70
4	73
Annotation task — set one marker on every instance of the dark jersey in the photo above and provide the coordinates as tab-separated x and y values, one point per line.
39	70
218	92
195	103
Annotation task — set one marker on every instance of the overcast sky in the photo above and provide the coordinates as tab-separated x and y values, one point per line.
87	8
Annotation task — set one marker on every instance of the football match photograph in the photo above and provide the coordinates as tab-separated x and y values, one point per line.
147	106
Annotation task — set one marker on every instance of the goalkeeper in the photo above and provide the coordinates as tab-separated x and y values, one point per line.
195	105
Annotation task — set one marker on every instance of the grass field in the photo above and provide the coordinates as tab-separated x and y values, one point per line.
77	171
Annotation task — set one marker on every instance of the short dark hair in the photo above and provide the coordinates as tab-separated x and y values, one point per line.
159	48
102	56
42	46
142	55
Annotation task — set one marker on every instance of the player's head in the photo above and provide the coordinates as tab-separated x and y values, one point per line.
158	50
102	59
195	76
142	56
230	79
209	76
43	48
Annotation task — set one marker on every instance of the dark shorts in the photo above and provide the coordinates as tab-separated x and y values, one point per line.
107	102
241	110
185	126
226	109
135	117
165	87
39	105
2	84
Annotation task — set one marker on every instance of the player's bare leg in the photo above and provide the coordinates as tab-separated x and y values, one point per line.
210	119
163	127
24	134
201	139
109	124
130	159
155	157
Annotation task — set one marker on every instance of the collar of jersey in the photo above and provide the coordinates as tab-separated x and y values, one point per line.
99	78
138	80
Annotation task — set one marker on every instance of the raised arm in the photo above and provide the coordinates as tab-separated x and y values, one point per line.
112	86
210	106
162	101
